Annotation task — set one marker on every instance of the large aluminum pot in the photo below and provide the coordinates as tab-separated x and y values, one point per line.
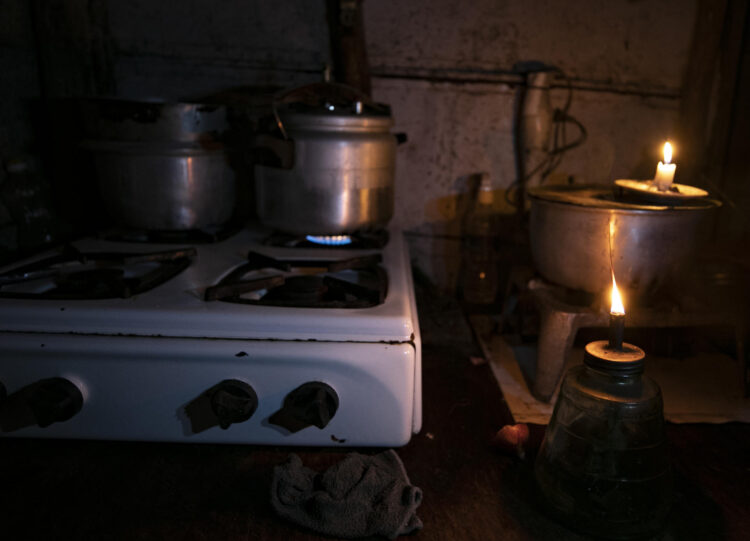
570	230
338	173
161	166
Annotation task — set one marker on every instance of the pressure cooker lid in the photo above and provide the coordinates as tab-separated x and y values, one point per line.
602	196
331	105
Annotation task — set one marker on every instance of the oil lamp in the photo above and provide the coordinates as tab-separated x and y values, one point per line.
602	468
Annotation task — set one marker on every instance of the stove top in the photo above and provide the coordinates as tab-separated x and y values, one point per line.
240	287
235	341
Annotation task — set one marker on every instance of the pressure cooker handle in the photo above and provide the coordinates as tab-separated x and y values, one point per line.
273	151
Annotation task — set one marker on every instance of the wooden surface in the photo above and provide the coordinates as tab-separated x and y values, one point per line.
120	490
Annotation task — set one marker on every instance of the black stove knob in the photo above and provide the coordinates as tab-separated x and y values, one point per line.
233	401
54	400
311	404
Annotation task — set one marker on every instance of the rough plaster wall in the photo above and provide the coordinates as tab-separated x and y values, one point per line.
19	85
620	42
19	77
192	47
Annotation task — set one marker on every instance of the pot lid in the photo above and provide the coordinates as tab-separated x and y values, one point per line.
331	106
602	196
335	119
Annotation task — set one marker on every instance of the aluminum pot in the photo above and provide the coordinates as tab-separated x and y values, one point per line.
161	166
570	238
336	173
113	119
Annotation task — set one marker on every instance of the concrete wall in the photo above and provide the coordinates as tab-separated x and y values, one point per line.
19	77
188	48
19	85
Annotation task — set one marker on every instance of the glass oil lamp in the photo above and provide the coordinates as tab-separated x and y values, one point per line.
603	468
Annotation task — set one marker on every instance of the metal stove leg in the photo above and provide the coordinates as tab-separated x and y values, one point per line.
556	335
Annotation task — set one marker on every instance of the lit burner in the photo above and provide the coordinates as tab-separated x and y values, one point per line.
330	240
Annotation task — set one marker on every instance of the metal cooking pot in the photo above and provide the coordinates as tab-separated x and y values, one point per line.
161	166
336	165
570	238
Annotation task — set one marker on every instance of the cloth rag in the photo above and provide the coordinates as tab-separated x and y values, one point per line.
360	496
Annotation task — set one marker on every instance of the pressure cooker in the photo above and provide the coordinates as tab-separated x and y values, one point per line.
329	162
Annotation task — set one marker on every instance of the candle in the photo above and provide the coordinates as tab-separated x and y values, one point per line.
616	318
665	170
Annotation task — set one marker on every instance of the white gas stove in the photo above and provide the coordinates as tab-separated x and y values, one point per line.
296	346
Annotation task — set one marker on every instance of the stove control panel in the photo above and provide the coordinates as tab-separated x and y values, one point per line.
311	404
265	392
233	401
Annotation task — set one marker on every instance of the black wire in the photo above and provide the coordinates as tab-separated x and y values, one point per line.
515	185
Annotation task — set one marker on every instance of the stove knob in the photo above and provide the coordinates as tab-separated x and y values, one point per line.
233	401
313	403
54	400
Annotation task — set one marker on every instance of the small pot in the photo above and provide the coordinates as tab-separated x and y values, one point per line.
161	166
163	188
335	167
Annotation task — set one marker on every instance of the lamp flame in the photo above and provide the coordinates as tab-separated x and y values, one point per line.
667	152
617	306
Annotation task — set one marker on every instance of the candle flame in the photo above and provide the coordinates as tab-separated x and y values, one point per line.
667	152
617	306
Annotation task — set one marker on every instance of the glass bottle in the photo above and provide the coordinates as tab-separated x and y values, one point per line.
603	467
480	264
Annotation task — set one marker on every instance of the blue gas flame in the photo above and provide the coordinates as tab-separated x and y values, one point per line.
330	240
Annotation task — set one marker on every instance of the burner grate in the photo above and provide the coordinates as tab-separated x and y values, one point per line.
358	282
73	274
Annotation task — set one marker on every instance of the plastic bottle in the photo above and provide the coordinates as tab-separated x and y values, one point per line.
480	264
603	467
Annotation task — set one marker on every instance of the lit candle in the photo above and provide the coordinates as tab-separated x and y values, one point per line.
665	170
616	318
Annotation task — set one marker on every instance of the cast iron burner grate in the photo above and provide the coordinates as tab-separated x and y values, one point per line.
357	282
73	274
361	240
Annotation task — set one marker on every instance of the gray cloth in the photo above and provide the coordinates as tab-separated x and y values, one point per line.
360	496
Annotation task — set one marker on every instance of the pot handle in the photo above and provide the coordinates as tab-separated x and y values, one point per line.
401	138
273	152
